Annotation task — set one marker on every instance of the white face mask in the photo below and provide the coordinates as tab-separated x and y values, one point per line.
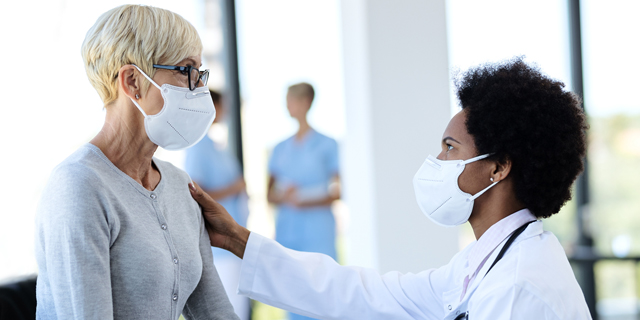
438	194
184	119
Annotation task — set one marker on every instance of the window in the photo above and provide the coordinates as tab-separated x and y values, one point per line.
610	58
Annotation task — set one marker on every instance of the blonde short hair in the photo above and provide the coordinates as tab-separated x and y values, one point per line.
302	90
135	34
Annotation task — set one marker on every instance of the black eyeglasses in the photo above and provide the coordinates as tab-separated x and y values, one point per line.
194	74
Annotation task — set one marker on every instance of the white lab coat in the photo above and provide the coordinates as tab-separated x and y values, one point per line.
532	281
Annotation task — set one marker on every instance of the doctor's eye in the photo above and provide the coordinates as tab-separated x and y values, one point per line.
449	147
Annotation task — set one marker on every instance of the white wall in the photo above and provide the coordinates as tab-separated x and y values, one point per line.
397	106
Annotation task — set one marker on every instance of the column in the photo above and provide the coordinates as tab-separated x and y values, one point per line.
397	86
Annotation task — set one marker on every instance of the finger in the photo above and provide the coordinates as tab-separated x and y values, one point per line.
195	189
200	196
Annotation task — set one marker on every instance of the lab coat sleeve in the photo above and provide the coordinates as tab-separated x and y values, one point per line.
511	302
314	285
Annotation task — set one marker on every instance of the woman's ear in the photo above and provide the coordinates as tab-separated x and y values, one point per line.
128	81
501	170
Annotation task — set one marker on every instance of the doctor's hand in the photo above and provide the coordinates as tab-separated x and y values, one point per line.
224	231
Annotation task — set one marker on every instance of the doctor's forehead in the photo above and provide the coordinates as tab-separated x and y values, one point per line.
457	130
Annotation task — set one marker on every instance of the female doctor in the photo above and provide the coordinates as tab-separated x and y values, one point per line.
508	159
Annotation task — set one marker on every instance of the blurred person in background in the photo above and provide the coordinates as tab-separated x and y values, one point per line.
304	182
217	171
117	236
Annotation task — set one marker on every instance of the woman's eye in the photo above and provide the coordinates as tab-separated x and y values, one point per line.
449	147
184	72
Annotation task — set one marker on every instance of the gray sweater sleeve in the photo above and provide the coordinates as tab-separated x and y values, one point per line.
73	234
209	300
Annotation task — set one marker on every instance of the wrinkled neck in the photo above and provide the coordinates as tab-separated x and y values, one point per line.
124	141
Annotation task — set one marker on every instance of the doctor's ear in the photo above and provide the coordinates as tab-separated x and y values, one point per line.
129	81
501	169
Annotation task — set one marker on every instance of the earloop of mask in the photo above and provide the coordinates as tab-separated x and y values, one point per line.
155	84
146	76
139	108
485	189
481	192
476	158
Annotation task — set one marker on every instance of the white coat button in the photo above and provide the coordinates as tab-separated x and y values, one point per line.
175	260
175	297
153	196
449	307
164	227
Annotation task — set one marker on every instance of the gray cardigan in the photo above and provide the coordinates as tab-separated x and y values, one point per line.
107	248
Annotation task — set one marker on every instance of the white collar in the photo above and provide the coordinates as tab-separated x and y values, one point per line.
493	237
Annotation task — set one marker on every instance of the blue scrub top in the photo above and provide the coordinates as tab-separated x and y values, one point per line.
307	164
214	168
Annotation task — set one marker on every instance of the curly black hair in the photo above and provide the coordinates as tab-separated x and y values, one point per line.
516	113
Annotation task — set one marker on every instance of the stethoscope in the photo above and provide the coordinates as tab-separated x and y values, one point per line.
514	235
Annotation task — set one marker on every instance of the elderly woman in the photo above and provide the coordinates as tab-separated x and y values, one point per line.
508	159
118	236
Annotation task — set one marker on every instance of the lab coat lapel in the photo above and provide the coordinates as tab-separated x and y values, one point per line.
451	300
452	297
533	230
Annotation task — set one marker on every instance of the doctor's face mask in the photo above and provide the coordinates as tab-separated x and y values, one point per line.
438	193
184	119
